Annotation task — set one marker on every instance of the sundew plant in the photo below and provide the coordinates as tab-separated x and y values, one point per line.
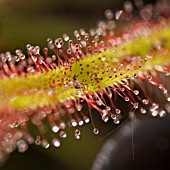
46	91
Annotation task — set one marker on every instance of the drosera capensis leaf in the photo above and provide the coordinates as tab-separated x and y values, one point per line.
82	76
42	82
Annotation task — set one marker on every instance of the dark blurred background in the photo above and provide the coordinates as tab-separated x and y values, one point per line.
33	21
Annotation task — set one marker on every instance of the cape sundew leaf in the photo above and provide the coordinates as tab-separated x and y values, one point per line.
73	78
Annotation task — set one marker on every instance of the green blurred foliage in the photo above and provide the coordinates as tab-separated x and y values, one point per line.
33	21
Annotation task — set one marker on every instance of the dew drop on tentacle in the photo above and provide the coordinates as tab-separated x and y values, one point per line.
73	122
142	110
63	134
99	102
56	142
154	113
145	101
45	144
146	12
126	99
86	119
118	14
105	118
116	121
79	107
96	131
128	6
77	134
55	128
162	113
109	14
168	98
154	107
38	140
22	146
136	105
62	125
80	122
136	92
